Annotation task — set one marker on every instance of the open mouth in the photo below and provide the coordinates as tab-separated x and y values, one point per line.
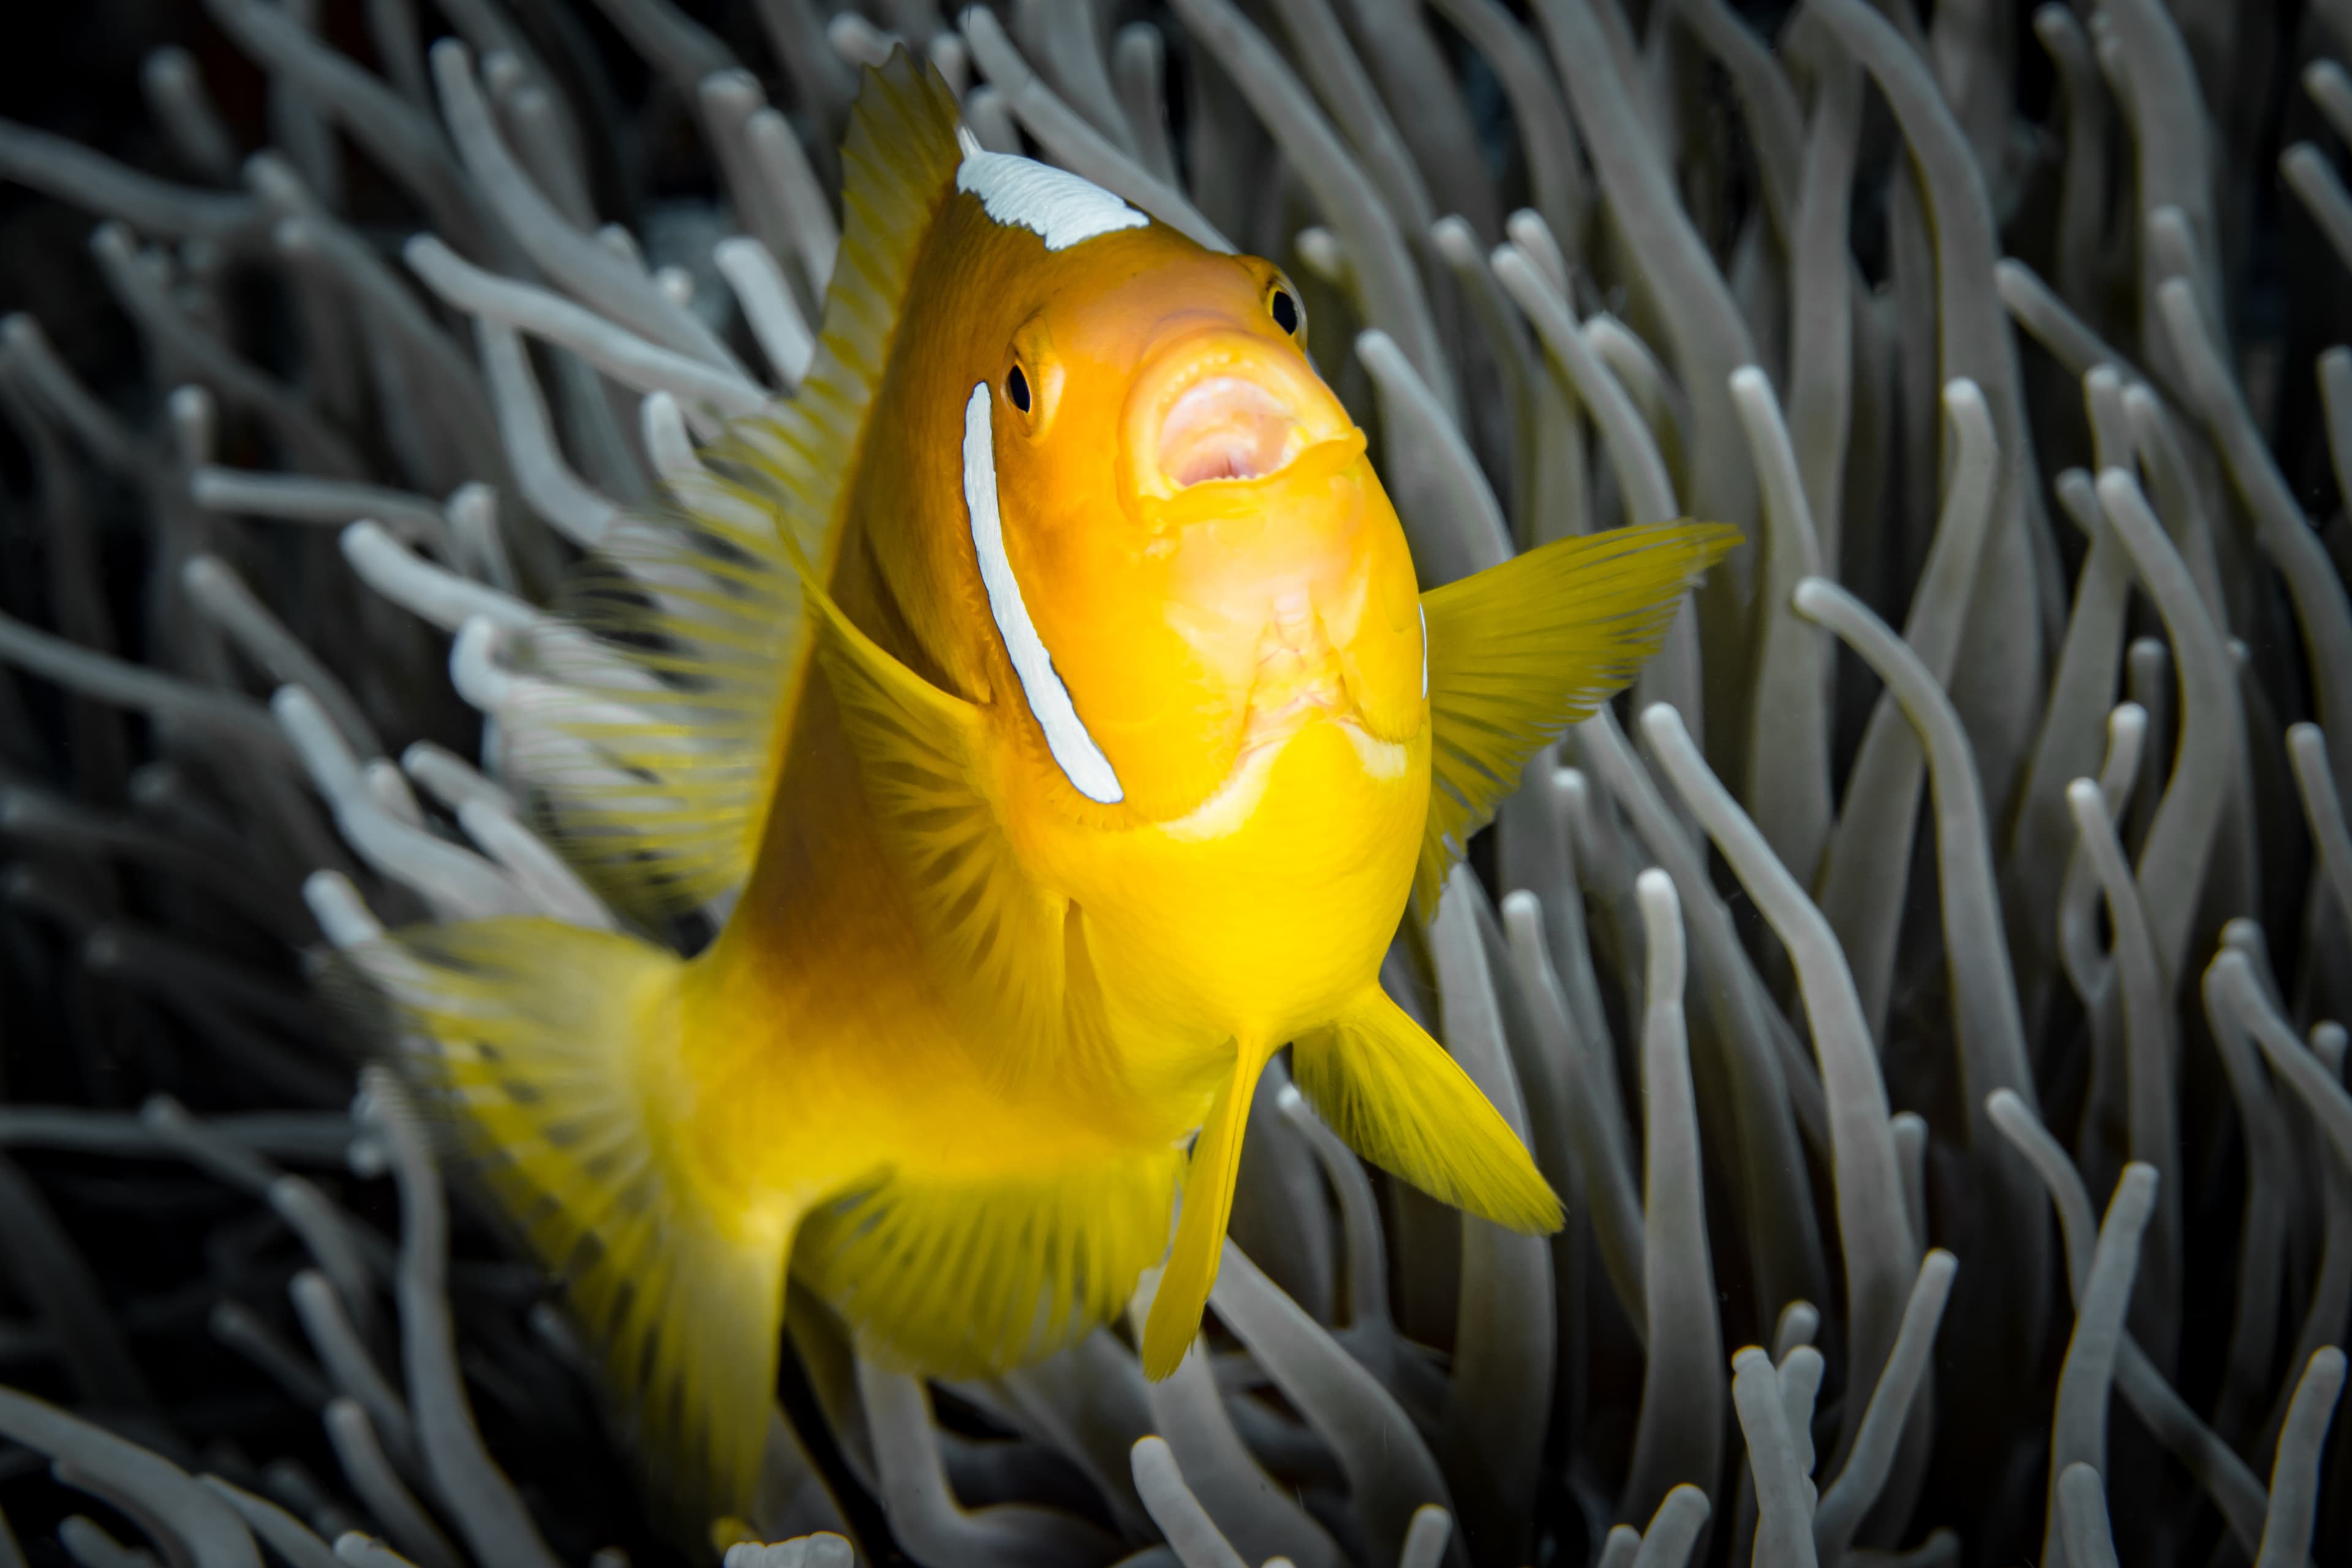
1226	427
1212	407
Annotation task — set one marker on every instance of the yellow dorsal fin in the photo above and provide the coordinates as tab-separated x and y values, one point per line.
659	748
899	163
550	1047
1520	651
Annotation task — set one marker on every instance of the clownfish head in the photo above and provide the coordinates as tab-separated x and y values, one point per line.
1185	554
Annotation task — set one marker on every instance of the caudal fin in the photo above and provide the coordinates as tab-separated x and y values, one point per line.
555	1051
1200	1242
1399	1101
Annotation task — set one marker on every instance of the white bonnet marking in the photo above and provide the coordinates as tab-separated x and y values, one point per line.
1081	761
1054	204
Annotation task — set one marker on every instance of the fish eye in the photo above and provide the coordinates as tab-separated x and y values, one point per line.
1284	311
1016	389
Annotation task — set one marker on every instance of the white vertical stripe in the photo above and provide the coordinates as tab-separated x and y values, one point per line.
1081	760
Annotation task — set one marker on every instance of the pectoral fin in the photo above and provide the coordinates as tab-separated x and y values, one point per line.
1001	944
1520	651
1399	1101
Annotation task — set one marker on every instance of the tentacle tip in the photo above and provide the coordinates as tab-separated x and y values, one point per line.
1962	393
1662	722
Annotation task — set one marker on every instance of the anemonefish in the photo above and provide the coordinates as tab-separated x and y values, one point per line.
1050	674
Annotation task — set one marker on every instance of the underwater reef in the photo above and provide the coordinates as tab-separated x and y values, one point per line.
1926	988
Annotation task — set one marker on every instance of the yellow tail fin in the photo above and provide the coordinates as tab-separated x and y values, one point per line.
1200	1242
556	1051
1399	1101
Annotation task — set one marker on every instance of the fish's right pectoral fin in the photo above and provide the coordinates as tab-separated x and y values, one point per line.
1009	950
553	1051
1397	1098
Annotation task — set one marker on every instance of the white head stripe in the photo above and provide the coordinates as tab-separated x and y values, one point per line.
1425	652
1061	209
1081	760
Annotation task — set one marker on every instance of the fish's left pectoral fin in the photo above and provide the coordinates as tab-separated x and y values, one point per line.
1395	1097
1193	1257
1520	651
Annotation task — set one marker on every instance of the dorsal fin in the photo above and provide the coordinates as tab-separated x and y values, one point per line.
657	779
899	163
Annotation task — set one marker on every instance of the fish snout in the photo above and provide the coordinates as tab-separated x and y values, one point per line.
1214	405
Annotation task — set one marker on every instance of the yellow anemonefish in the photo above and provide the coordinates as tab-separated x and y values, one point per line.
1050	674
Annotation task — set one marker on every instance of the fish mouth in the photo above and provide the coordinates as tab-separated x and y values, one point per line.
1220	407
1226	427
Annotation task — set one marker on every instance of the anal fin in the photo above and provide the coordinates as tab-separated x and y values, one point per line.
965	1275
1399	1101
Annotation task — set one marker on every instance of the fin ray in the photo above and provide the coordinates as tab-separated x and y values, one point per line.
1520	651
1002	943
1396	1098
696	631
971	1277
536	1039
1193	1256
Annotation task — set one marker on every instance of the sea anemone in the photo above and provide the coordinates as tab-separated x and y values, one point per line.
1927	989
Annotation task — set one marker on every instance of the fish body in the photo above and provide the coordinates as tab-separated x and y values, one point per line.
1246	658
1064	661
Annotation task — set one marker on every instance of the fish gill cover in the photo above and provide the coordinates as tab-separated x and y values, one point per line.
1926	992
